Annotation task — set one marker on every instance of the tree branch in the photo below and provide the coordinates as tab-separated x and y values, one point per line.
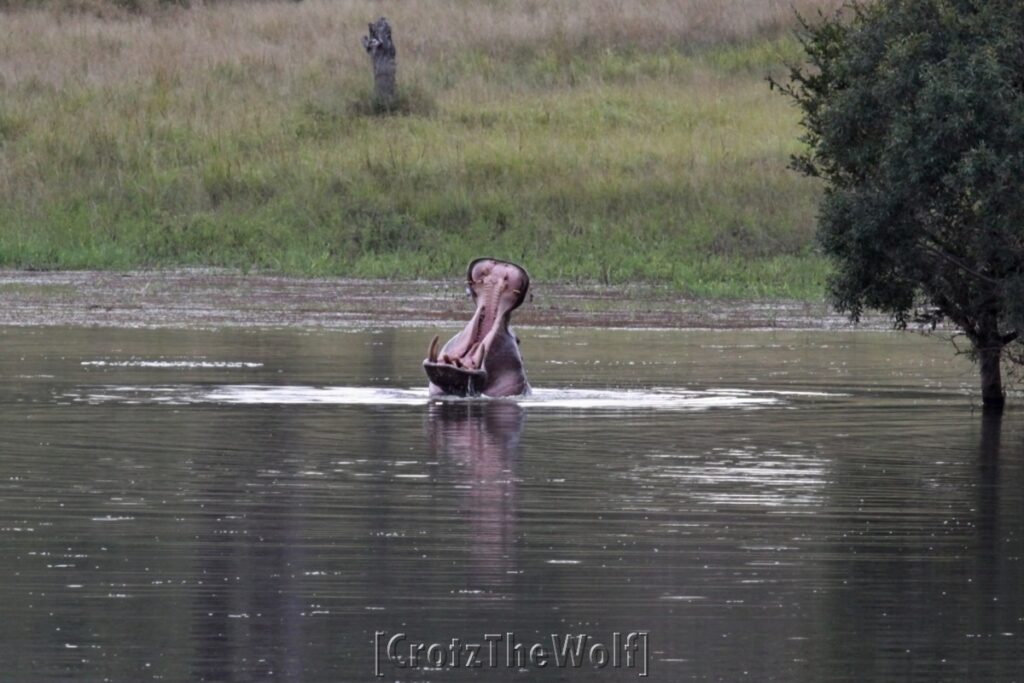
958	263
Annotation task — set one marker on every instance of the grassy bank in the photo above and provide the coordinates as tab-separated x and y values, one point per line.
587	140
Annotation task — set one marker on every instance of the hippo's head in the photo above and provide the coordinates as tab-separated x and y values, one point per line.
484	357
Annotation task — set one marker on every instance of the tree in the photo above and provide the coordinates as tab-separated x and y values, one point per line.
913	116
381	48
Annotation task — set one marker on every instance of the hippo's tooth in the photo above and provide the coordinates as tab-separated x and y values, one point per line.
467	358
478	355
432	350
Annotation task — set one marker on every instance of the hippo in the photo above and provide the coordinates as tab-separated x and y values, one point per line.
483	359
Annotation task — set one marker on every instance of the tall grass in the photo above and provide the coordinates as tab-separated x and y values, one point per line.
590	140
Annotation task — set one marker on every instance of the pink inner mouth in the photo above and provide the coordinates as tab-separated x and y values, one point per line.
498	288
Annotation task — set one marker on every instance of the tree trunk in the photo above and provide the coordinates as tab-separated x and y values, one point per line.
382	51
992	397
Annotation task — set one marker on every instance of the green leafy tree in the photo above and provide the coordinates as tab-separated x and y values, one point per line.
913	115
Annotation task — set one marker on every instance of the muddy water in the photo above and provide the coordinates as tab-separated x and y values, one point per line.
256	505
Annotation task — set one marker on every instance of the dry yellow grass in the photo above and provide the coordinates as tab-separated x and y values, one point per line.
287	39
593	139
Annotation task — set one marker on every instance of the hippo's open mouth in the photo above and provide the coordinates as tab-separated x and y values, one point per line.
483	358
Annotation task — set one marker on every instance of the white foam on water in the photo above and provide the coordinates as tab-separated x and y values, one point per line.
578	399
660	399
539	398
261	394
173	364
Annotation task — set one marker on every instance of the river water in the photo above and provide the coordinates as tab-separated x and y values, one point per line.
239	505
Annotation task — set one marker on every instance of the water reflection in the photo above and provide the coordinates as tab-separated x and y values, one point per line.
929	571
480	441
739	477
246	611
255	505
989	452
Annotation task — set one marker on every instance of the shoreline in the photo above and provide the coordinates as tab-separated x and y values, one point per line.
216	298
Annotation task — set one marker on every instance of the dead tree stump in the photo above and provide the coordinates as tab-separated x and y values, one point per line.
382	51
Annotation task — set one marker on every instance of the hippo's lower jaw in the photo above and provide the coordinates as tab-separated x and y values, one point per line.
455	380
484	358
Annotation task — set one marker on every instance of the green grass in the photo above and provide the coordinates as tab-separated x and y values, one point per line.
611	164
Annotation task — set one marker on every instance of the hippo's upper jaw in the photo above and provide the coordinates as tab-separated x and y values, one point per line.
484	358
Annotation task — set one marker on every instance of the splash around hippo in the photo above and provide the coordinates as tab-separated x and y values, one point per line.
484	359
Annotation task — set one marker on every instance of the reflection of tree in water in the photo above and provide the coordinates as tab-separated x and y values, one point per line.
929	584
989	586
481	438
988	483
246	614
263	524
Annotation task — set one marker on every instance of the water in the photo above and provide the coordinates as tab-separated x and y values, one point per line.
256	505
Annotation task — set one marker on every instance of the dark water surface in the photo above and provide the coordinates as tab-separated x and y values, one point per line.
255	505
